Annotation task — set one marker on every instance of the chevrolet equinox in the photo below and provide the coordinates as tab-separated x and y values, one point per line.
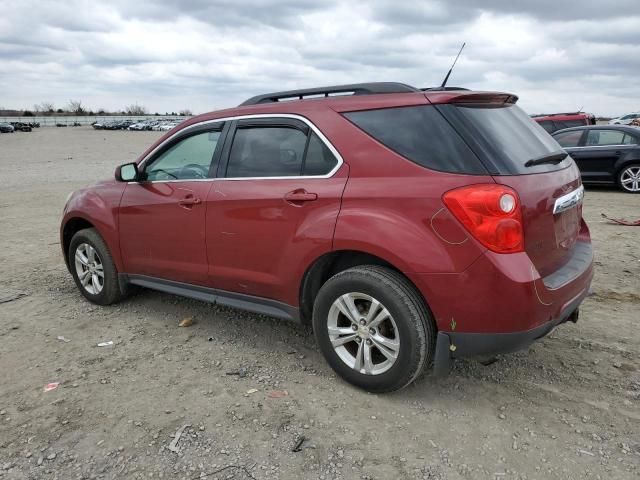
408	227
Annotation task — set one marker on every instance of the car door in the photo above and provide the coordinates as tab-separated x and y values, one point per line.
600	151
162	216
274	208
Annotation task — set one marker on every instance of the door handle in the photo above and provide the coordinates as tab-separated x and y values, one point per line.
189	201
300	196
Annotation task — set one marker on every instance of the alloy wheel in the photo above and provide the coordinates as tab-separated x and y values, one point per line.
89	268
363	333
630	179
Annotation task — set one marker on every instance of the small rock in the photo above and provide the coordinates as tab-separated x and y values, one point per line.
51	456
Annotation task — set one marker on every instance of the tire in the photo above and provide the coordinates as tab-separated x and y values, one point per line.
629	172
408	330
108	291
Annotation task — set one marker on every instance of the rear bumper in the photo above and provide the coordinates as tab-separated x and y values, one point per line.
501	304
450	345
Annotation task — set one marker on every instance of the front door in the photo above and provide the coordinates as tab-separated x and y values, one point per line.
162	217
274	209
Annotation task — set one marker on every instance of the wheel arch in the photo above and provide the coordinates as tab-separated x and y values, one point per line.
72	226
332	263
624	163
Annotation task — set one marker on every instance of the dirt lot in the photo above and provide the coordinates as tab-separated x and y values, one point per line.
569	408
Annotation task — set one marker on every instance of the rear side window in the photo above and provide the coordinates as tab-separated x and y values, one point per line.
319	159
548	126
604	137
569	139
505	136
420	134
571	123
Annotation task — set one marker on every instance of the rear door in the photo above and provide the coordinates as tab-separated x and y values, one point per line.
600	151
273	208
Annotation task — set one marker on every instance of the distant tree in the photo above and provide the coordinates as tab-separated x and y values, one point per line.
59	111
186	112
91	113
75	106
36	108
101	111
44	107
27	113
156	114
135	109
174	113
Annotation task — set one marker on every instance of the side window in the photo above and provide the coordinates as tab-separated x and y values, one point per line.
266	152
319	159
604	137
188	159
574	123
629	140
569	139
420	134
547	125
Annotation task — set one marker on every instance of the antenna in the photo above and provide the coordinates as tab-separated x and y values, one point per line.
444	82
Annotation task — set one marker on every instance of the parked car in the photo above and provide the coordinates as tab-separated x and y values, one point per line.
605	154
21	127
6	128
625	119
408	228
558	121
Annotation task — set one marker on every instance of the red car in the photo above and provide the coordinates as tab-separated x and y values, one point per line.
557	121
407	227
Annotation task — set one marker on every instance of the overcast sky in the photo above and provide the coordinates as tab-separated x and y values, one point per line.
556	55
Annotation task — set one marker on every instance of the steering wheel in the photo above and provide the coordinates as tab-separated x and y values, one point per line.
194	170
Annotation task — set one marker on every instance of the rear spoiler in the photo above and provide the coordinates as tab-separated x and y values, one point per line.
474	99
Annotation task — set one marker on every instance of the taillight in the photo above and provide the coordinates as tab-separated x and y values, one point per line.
491	213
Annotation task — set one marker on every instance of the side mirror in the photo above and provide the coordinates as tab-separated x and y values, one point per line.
127	172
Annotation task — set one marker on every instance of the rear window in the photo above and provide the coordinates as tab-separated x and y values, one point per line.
420	134
505	137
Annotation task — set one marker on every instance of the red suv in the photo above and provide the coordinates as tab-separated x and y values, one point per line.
407	227
558	121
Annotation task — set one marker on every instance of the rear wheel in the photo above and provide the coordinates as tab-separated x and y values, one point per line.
93	268
373	328
629	178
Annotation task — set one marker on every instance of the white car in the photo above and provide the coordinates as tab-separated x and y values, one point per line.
624	119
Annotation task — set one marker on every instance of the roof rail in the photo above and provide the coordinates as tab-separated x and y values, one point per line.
442	89
353	89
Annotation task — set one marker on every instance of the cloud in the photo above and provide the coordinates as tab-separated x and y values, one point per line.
203	54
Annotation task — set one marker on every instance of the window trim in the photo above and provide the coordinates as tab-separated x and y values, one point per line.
229	136
179	137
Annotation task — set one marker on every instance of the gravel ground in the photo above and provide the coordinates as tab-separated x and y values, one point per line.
568	408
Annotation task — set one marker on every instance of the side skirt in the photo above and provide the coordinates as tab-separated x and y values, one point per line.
263	306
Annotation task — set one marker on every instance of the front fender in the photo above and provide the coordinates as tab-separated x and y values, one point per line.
97	205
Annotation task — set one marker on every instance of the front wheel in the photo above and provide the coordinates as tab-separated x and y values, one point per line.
629	178
93	268
373	328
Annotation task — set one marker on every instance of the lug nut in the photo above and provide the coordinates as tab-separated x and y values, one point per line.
372	331
358	340
354	327
368	341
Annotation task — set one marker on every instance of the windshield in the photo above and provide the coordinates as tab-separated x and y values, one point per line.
507	136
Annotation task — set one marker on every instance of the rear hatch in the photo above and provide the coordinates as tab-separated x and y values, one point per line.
518	153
